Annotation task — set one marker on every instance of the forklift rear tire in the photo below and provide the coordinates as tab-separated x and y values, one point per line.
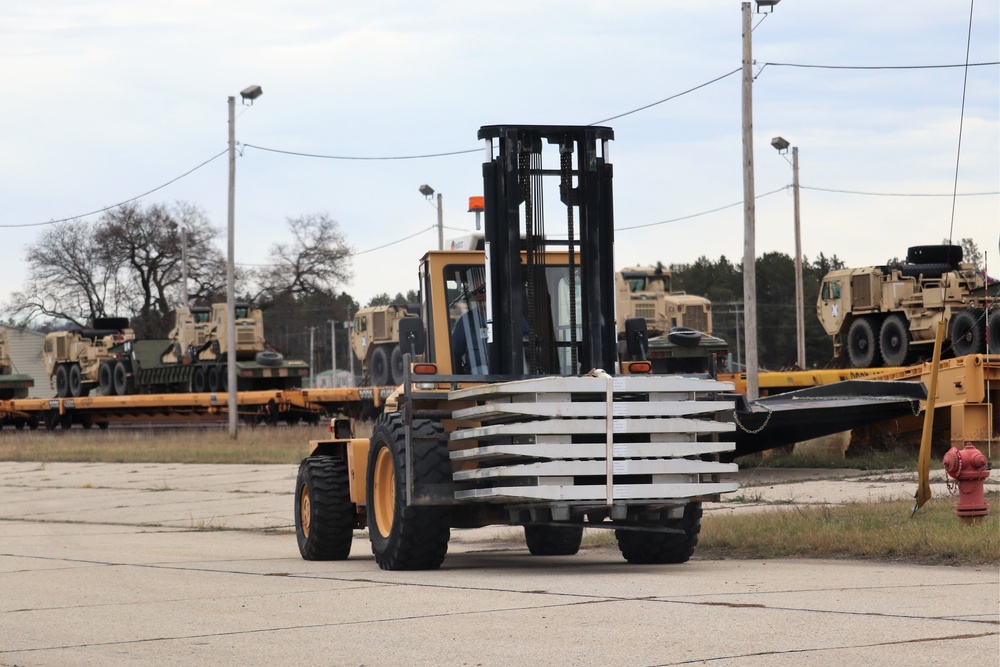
654	548
324	513
553	540
405	537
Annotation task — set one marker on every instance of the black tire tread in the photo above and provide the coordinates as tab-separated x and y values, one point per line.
419	536
331	527
894	327
863	327
652	548
994	332
967	332
379	366
553	540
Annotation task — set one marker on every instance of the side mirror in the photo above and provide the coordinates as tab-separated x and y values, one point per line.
411	335
636	341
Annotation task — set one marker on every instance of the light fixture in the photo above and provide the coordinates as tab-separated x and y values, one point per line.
780	144
768	4
426	190
251	93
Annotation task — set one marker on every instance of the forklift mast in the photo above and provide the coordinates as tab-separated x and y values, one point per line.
531	330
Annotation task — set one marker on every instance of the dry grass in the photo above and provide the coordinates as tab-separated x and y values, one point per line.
277	444
875	531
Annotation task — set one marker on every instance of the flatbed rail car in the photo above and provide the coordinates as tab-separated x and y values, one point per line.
256	407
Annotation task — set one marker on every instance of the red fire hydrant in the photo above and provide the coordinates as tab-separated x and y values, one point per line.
968	468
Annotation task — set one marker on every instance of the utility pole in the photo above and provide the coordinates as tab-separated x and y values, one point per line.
350	349
333	353
800	318
749	214
231	276
184	267
312	357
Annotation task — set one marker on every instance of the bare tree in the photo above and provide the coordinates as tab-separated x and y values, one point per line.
64	281
128	264
145	245
317	259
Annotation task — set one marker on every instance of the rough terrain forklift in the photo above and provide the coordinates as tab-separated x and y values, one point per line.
549	430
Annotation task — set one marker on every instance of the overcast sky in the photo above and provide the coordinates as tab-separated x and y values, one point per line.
105	100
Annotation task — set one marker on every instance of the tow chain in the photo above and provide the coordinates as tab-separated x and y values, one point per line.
743	428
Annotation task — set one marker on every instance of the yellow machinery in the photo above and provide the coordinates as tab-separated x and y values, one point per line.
514	409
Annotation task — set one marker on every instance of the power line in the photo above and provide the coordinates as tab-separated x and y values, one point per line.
474	150
127	201
696	215
881	67
407	238
361	157
667	99
900	194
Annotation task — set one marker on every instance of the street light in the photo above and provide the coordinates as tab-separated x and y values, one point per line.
428	192
781	145
250	93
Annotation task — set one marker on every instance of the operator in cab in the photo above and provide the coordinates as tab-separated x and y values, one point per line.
468	337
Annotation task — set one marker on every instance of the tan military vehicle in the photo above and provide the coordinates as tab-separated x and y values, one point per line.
375	341
888	315
12	385
646	292
199	346
80	360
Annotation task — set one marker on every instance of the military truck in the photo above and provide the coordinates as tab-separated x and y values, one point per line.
111	359
12	385
194	358
375	342
646	291
887	315
80	360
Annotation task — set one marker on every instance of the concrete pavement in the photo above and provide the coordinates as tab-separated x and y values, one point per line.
136	564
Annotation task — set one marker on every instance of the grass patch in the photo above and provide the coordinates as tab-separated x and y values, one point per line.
873	531
278	444
901	459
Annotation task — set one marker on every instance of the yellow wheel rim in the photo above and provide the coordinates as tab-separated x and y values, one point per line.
384	492
305	510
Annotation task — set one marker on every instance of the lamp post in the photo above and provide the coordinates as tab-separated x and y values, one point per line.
781	145
428	192
250	93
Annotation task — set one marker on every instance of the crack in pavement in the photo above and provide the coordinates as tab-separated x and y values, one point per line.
847	647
